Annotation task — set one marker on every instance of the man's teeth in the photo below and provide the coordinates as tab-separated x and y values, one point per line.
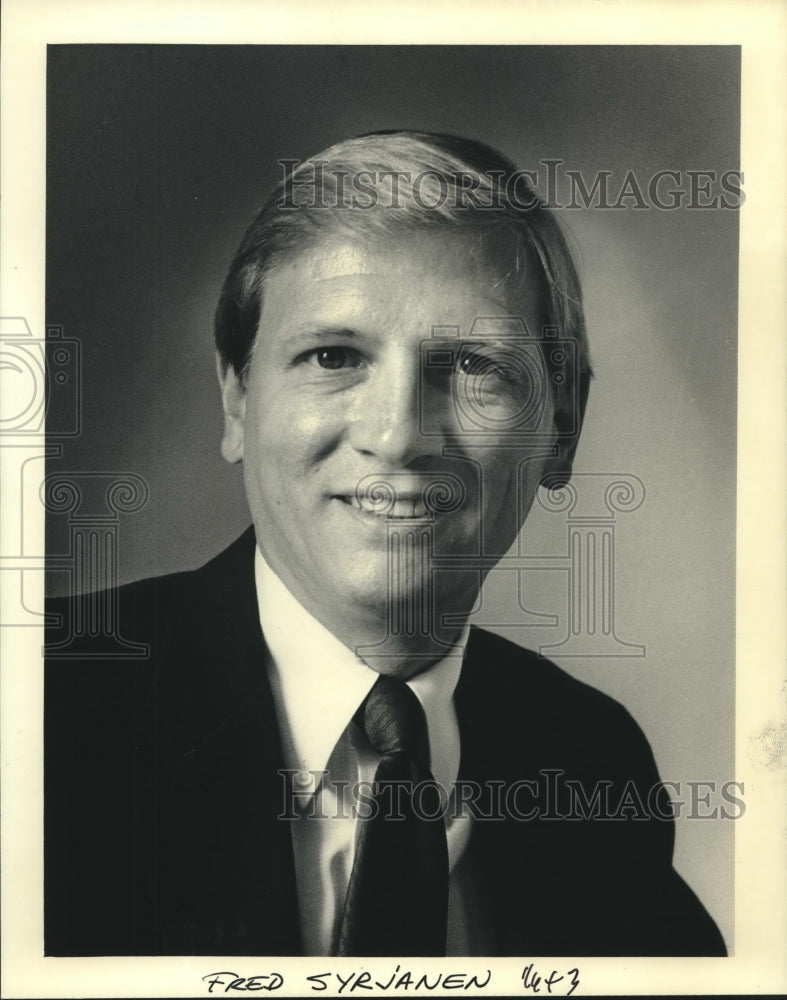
400	507
407	508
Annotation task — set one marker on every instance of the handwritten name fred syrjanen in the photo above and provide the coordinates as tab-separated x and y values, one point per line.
401	979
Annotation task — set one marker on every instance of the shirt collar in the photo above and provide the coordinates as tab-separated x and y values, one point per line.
318	683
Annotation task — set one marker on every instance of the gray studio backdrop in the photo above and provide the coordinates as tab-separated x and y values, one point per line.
157	158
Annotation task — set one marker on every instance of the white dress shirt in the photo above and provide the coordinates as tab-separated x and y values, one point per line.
318	684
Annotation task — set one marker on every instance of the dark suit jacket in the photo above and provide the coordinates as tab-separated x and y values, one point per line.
163	792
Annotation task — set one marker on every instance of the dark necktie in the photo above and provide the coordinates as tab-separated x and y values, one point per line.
397	897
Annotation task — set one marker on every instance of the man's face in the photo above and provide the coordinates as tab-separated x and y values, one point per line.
350	383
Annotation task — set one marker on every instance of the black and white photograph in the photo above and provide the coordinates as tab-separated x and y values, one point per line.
375	462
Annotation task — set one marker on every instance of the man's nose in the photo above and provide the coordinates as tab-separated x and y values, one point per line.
386	421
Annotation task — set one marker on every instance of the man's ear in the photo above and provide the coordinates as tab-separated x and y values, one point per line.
233	400
568	418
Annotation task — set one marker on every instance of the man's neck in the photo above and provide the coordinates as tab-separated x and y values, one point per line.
394	652
401	640
403	656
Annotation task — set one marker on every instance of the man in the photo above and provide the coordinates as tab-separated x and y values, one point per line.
319	757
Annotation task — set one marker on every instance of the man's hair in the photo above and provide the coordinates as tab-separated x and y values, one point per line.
388	182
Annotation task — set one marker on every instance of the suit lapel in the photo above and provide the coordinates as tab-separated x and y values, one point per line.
504	725
230	881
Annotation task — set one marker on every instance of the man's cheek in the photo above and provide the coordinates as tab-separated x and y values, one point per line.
311	425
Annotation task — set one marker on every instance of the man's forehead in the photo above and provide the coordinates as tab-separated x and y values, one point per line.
405	265
335	259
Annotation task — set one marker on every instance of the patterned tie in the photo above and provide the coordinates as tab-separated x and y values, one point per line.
397	897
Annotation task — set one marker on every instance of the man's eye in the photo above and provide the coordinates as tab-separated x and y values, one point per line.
334	358
483	366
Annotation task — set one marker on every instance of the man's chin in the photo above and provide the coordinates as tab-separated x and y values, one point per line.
375	597
382	596
409	606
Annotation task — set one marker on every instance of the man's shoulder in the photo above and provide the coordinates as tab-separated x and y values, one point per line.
144	609
79	625
509	670
165	653
543	705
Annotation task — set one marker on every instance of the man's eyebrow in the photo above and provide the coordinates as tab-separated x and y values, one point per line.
310	331
471	343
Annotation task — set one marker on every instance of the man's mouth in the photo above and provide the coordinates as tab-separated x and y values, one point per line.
388	507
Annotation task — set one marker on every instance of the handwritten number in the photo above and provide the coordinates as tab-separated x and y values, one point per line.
552	978
532	980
